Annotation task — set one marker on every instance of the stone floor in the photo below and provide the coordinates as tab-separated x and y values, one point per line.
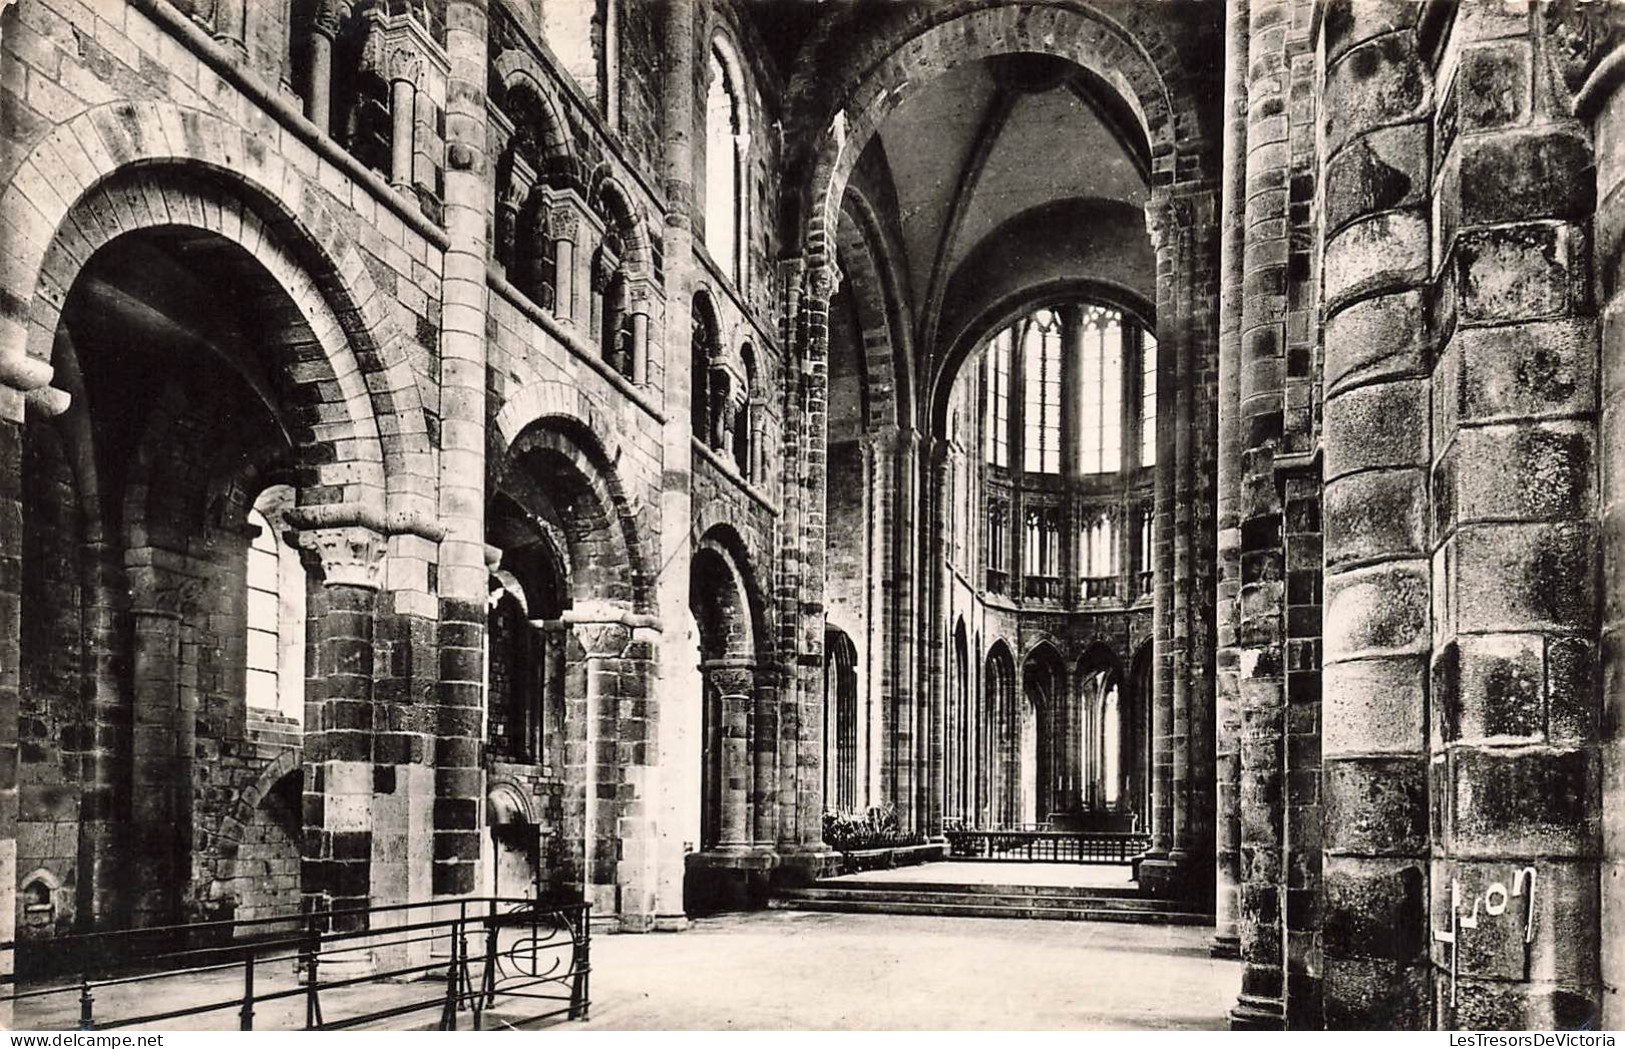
1066	875
784	970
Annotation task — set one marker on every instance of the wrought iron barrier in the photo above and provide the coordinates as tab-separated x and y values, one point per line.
1047	846
521	960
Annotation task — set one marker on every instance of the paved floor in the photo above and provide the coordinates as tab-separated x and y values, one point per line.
1070	875
785	970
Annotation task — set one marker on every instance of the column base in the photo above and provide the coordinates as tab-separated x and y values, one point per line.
1253	1013
806	864
729	879
1226	945
672	923
1161	878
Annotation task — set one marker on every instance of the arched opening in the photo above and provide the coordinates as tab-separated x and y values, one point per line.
1100	742
564	573
705	345
723	611
997	718
1040	736
840	722
726	150
164	641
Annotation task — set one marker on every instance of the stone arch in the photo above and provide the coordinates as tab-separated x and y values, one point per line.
518	72
553	399
734	602
1129	53
609	199
130	162
609	566
235	820
1098	655
506	802
874	286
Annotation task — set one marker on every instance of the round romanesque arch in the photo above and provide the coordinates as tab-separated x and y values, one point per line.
154	165
839	111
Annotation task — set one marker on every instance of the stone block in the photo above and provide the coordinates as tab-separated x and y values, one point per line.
1528	472
1385	424
1514	273
1500	690
1385	169
1517	177
1529	577
1374	255
1379	82
1374	706
1376	806
1526	802
1348	23
1537	369
1381	610
1374	514
1374	909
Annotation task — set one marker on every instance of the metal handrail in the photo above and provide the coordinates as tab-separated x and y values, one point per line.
543	927
1047	846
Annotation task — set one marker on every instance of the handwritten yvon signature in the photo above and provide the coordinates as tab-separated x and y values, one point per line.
1492	902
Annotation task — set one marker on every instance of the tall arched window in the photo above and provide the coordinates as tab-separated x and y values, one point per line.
1148	399
276	610
744	426
1099	552
702	351
1041	355
1100	396
998	399
725	141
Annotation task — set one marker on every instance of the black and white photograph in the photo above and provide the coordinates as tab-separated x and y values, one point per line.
812	515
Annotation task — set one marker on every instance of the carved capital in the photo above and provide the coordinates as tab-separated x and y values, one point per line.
325	18
406	65
604	640
1582	33
565	222
346	555
730	677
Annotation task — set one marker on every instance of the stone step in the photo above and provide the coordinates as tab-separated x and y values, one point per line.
1086	892
959	896
989	910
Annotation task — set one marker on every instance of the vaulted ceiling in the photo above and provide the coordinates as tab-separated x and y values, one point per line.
990	141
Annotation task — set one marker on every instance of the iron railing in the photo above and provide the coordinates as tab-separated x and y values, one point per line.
1047	846
521	960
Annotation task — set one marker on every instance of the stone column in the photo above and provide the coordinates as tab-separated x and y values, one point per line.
735	685
1260	627
1159	871
565	227
1375	103
1516	779
680	740
1165	871
345	564
159	796
405	71
324	26
640	348
1227	743
764	752
936	685
231	25
1605	109
459	779
23	380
